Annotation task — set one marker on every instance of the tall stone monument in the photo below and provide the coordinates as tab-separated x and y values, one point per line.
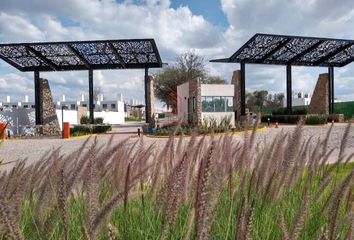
319	102
47	110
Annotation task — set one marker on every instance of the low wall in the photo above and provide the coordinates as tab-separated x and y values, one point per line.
19	117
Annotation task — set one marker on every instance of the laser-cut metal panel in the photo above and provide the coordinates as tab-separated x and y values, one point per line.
83	55
294	50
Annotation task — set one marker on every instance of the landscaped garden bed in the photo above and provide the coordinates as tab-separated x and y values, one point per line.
85	128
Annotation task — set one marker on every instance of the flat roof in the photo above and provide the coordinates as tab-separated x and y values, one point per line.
82	55
293	50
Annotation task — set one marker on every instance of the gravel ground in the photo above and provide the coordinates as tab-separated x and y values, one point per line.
33	149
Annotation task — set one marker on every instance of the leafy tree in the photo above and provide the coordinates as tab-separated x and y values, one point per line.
214	80
275	100
188	66
260	98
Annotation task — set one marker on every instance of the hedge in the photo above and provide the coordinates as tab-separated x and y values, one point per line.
281	118
295	111
316	119
292	119
83	129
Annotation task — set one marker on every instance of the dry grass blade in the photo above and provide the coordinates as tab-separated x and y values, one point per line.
9	221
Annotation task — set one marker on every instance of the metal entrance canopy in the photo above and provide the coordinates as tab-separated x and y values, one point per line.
81	55
294	50
289	51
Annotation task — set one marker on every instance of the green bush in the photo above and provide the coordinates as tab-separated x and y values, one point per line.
300	111
85	120
98	120
295	111
84	130
316	119
281	118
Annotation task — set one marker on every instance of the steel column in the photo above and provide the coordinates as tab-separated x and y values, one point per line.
331	90
91	106
243	90
289	97
147	101
37	99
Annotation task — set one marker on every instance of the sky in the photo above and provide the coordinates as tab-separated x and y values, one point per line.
211	28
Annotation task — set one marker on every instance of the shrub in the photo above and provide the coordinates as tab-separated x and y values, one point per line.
316	119
336	117
98	120
295	111
85	120
80	130
300	111
281	118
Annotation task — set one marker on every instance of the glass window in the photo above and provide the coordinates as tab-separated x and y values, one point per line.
229	104
104	106
207	104
113	106
72	106
217	104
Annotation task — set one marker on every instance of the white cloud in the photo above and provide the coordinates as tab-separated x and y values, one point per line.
322	18
16	28
174	30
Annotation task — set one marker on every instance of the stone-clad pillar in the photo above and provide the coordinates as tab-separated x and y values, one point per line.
48	113
150	103
319	101
236	81
195	104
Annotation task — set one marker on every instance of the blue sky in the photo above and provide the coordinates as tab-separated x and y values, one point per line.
209	9
211	28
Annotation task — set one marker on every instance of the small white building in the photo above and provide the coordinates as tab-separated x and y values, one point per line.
22	113
216	102
299	99
112	111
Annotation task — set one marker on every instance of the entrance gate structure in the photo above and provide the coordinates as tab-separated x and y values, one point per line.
292	51
82	55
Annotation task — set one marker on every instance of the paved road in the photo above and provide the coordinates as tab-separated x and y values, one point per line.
33	149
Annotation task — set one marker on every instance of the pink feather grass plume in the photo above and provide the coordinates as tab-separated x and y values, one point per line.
260	186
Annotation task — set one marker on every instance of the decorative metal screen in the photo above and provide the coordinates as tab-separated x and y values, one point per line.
294	50
83	55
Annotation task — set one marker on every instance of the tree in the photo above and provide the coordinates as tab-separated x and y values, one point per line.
260	98
275	100
188	66
191	66
214	80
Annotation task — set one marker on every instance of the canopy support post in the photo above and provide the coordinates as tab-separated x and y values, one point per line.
330	90
147	109
289	97
37	99
243	89
91	104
